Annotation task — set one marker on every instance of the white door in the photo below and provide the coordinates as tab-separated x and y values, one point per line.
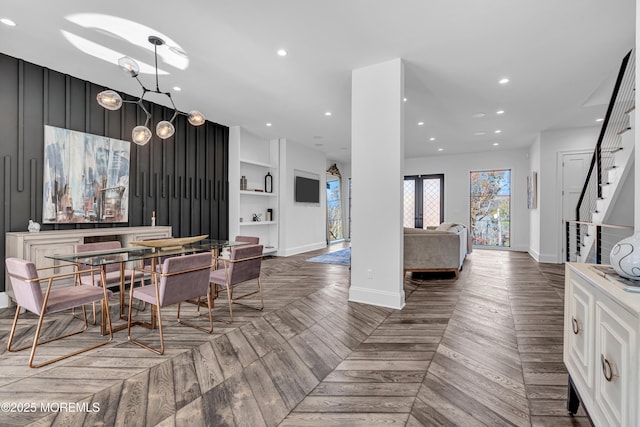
575	167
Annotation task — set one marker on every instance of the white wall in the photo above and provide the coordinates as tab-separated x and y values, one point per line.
636	128
553	144
534	214
456	170
302	225
622	212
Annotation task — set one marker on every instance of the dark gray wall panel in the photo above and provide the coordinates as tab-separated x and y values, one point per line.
179	178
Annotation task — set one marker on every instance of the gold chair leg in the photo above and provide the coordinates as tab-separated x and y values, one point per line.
210	308
230	302
143	345
36	343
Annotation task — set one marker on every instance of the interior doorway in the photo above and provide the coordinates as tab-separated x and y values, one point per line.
575	166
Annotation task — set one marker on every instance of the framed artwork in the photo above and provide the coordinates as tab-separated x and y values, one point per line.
85	178
532	190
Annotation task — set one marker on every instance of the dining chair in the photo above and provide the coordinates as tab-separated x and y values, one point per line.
115	273
248	239
182	278
29	296
245	239
243	265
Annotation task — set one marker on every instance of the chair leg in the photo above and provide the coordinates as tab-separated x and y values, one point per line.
210	308
36	343
258	291
230	303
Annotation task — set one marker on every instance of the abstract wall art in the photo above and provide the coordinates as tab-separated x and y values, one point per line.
86	178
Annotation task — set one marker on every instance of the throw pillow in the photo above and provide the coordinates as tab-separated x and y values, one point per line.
445	226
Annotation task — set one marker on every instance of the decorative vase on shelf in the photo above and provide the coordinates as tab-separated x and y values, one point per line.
625	257
33	227
268	183
243	183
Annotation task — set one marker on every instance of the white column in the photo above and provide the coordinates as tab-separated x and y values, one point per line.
636	130
377	153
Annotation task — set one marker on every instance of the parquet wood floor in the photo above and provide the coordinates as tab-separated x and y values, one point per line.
482	350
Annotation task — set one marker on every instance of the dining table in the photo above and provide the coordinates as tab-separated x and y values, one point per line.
139	255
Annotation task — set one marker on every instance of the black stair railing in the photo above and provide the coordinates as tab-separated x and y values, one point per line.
616	122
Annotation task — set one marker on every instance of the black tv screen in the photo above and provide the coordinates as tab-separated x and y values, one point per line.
307	190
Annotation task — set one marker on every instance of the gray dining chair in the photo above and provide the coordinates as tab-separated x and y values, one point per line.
29	296
182	278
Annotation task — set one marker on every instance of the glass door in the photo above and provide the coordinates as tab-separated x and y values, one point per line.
423	200
334	209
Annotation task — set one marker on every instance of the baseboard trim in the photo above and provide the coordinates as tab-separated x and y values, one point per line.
550	259
379	298
303	249
534	254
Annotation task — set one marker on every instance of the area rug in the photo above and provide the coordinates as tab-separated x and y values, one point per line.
341	257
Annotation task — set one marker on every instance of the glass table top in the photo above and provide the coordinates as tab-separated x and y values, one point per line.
133	253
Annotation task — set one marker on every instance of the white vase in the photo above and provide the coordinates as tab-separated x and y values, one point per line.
33	227
625	257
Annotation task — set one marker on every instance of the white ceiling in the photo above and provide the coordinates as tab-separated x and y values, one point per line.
561	58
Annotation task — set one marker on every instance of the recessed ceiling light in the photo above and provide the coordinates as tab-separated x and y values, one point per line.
440	149
328	113
600	119
269	124
480	133
319	145
503	81
497	131
282	52
420	123
500	112
432	139
495	144
177	88
478	115
7	21
404	99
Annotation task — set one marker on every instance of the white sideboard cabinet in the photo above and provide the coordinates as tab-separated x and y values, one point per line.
601	348
36	246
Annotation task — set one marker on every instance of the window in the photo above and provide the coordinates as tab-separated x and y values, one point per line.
491	208
334	209
423	200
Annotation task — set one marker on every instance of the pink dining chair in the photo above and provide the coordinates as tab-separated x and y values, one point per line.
28	295
248	239
112	276
243	265
182	278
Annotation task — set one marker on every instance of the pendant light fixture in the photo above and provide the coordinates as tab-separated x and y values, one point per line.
141	134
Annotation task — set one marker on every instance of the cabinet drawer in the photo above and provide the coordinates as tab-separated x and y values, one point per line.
579	332
616	365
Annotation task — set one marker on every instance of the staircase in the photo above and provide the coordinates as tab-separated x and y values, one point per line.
612	160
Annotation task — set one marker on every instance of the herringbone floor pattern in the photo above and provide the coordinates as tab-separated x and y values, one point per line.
485	349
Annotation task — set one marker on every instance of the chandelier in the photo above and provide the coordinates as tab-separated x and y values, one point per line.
111	100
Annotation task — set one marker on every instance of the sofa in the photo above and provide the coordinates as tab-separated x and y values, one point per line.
436	249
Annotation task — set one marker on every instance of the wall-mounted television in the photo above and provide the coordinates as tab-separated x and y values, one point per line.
307	190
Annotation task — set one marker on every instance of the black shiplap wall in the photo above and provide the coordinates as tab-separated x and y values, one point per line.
184	179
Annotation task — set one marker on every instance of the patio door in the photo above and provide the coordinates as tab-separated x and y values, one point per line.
423	200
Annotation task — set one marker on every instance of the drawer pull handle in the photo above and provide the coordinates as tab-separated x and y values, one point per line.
606	368
574	325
